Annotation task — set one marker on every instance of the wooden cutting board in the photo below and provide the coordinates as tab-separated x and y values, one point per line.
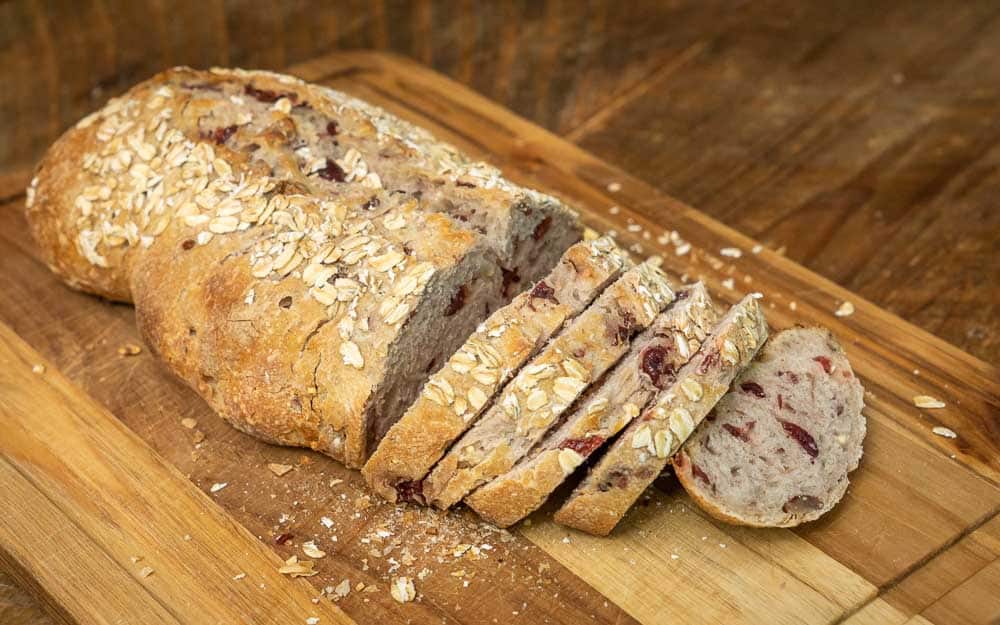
126	499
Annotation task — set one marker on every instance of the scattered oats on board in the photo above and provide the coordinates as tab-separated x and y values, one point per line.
146	571
731	252
326	522
402	589
682	249
945	432
343	589
239	576
926	401
845	310
39	368
757	249
218	486
310	549
279	469
614	210
614	187
189	423
729	284
294	568
129	349
312	620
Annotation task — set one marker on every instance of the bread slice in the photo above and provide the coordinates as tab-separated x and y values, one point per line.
609	406
459	392
549	384
302	259
776	450
642	451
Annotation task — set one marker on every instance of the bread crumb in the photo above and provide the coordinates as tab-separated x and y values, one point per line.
279	469
312	620
198	436
731	252
294	568
218	486
757	249
945	432
39	368
845	310
614	210
129	349
926	401
682	249
310	549
402	589
729	284
614	187
326	522
146	571
189	423
239	576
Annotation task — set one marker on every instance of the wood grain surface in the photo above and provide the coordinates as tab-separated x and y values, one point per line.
862	138
917	501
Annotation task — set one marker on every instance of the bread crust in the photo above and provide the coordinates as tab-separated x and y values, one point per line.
619	397
642	451
278	240
455	396
549	384
849	393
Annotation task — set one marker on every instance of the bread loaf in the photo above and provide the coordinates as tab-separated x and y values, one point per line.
776	450
455	396
642	451
300	258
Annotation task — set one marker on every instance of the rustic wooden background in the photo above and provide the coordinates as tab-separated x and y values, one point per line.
861	137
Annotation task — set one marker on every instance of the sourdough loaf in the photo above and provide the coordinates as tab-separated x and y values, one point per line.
642	451
549	384
776	450
300	258
610	405
455	396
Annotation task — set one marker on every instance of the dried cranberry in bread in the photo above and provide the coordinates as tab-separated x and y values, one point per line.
608	406
459	392
780	444
549	384
642	451
300	258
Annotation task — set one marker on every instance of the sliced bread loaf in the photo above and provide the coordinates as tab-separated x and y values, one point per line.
300	258
776	450
611	404
549	384
642	451
459	392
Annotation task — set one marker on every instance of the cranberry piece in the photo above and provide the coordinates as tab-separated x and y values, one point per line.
265	95
411	491
653	362
542	227
802	503
221	135
617	478
544	291
794	378
332	171
825	363
331	128
710	360
462	183
583	446
285	302
456	303
373	202
698	473
621	331
281	539
753	388
741	433
800	436
187	244
682	294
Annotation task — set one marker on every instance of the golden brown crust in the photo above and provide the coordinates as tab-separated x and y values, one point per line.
273	279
